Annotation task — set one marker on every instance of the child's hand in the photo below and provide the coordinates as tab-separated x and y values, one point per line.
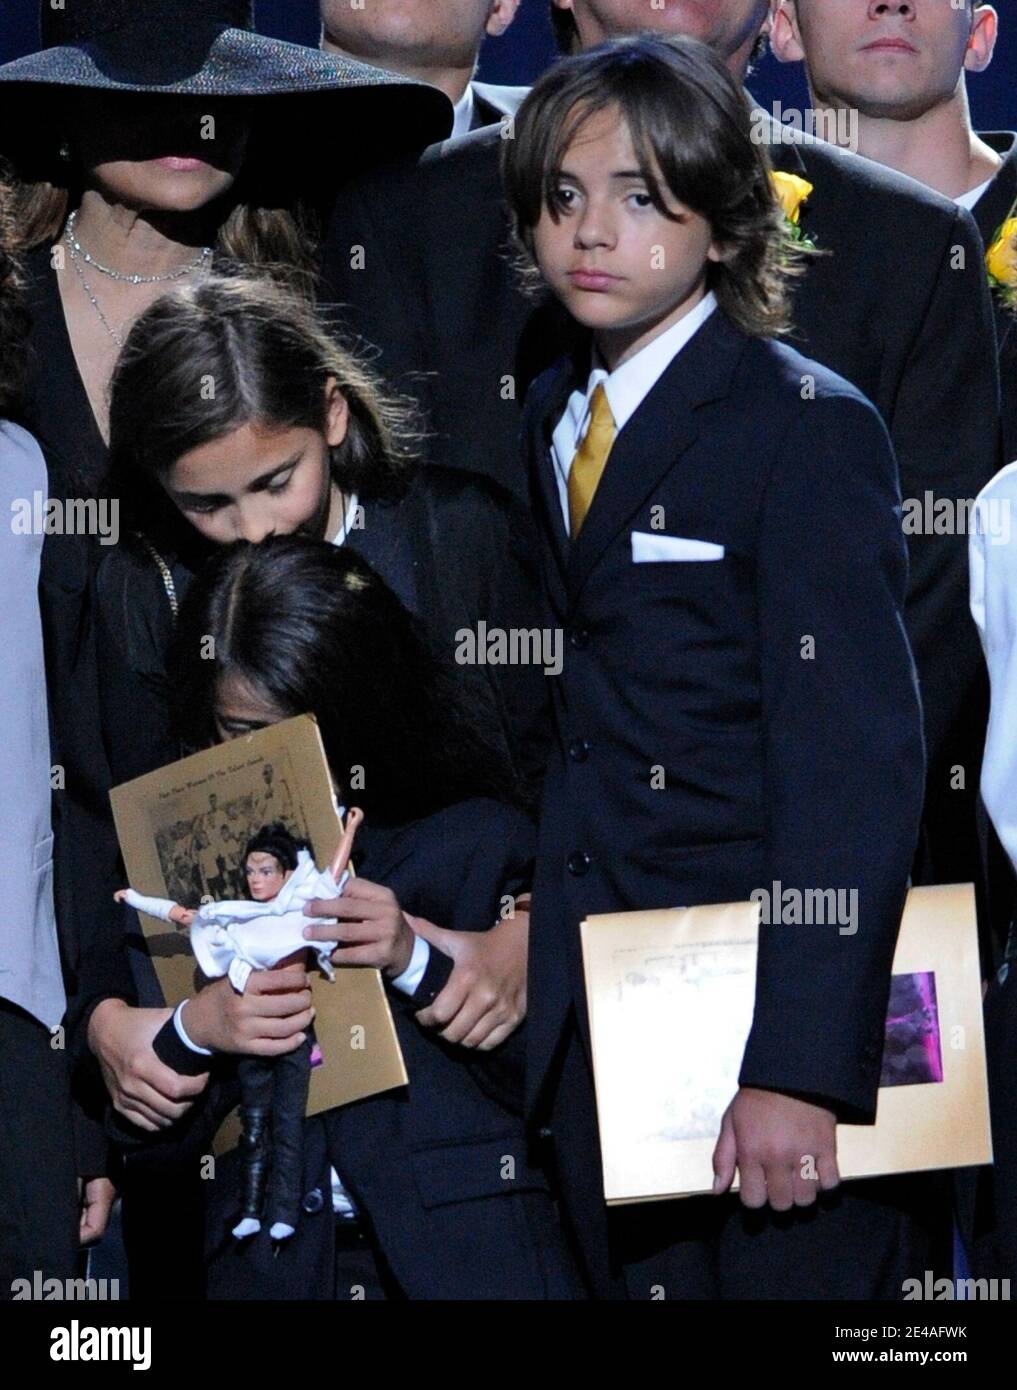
372	928
785	1150
144	1090
270	1017
95	1202
484	999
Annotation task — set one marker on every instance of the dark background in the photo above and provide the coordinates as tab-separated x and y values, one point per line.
528	47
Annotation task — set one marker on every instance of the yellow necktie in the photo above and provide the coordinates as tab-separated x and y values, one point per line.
591	456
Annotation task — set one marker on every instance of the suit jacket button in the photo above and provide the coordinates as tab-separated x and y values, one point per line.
580	638
314	1201
578	863
579	750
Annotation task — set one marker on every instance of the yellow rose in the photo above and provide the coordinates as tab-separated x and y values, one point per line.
1002	255
791	191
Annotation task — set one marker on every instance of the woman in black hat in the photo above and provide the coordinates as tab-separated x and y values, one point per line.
151	137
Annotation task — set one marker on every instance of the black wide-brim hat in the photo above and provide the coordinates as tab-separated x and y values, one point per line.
303	102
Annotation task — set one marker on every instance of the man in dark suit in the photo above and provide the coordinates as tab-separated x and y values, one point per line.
436	41
905	76
896	302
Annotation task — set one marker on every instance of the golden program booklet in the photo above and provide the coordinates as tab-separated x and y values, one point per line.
182	832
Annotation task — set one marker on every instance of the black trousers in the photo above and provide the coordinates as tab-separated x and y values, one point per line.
280	1085
860	1242
38	1184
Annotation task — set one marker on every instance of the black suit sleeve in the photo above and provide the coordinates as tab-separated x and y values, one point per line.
843	754
946	432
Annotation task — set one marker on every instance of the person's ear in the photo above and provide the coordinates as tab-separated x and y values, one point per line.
717	253
785	40
337	414
982	39
503	12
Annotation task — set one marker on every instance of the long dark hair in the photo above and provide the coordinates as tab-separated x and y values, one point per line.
14	320
311	627
205	359
688	118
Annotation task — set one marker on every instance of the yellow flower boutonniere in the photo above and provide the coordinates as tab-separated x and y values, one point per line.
1001	263
791	193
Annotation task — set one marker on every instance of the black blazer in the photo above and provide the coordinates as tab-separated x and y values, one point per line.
898	304
440	1169
997	203
777	764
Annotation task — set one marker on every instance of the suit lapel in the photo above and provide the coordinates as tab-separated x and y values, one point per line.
993	208
656	436
570	376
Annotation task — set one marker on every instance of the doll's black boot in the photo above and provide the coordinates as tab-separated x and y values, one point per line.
254	1172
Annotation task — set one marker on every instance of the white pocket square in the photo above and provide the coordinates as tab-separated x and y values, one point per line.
646	547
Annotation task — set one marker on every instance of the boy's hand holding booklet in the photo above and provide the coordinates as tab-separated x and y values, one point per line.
671	997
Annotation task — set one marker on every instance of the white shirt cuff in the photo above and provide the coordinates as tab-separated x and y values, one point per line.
409	981
178	1024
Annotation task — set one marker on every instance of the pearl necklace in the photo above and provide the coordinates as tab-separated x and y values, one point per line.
78	250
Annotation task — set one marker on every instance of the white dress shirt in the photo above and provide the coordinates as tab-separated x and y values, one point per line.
462	113
626	389
992	551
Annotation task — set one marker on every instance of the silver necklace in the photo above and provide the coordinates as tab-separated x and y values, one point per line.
78	250
117	337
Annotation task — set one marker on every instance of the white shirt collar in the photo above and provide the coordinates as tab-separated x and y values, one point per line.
626	389
462	113
629	385
973	195
349	519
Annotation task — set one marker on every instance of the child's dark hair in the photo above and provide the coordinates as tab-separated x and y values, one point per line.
227	351
277	841
691	129
313	629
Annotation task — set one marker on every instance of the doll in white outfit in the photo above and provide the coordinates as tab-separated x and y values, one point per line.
234	938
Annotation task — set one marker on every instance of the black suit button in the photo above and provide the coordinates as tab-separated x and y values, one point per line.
314	1201
580	638
579	750
545	1132
578	863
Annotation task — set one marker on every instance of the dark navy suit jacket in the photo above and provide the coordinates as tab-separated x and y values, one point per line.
774	688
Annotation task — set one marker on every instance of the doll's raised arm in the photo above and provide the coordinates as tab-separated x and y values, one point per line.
163	908
354	819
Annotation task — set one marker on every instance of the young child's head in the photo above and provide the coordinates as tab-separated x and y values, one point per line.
269	859
304	627
236	401
636	187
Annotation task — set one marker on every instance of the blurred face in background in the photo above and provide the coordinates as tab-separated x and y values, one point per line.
893	60
396	34
729	27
